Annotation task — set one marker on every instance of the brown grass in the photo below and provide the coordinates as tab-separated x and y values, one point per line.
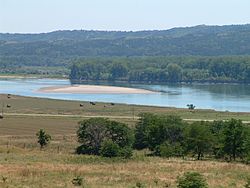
30	167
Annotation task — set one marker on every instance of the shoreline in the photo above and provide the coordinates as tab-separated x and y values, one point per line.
93	89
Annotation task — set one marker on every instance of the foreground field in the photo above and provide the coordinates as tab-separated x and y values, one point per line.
23	164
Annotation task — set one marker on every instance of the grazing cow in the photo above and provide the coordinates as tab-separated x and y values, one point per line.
112	104
8	105
1	116
92	103
8	96
81	105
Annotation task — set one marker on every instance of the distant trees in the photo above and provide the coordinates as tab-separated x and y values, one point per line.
163	69
174	73
43	138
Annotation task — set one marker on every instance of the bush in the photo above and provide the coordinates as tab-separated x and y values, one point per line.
169	150
109	149
77	181
191	180
126	152
248	183
43	138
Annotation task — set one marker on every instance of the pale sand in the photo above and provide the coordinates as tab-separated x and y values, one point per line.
93	89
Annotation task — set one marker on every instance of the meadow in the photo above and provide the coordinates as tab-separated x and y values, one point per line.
23	164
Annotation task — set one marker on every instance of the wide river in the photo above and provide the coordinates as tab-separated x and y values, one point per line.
223	97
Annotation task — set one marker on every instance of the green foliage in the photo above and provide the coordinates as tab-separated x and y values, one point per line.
141	130
191	180
77	181
169	150
126	152
233	140
101	136
174	73
43	138
91	134
163	69
109	149
248	183
198	139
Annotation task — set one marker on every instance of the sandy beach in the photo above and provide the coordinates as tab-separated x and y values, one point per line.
93	89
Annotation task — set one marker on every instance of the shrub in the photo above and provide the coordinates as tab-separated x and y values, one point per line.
109	149
248	183
169	150
77	181
126	152
191	180
43	138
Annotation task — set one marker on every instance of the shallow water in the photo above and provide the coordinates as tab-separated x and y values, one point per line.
230	97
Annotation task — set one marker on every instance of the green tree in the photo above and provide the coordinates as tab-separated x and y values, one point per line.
198	139
43	138
95	132
191	180
141	130
234	138
174	72
118	70
109	149
91	134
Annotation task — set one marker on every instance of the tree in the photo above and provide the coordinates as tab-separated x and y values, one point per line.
96	135
234	138
198	139
109	149
165	128
174	73
91	134
43	138
118	70
142	128
120	134
191	180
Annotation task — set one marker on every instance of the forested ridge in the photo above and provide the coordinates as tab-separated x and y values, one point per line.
200	53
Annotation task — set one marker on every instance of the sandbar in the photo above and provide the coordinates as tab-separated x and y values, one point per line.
93	89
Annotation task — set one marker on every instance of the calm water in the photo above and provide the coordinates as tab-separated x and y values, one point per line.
231	97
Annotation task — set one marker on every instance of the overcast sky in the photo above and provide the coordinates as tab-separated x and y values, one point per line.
35	16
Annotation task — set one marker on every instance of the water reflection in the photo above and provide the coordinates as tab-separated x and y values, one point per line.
231	97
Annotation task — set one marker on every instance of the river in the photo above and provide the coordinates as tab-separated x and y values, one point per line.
223	97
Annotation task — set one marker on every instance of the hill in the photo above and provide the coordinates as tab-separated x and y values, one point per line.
60	48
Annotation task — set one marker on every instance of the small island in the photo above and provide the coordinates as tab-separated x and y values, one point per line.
94	89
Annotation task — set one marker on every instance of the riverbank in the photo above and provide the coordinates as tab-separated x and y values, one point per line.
93	89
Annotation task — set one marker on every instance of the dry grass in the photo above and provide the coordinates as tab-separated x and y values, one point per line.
29	167
24	165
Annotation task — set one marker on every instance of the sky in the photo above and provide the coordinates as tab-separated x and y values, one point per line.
37	16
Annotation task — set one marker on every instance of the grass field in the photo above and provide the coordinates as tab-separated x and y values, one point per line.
23	164
26	115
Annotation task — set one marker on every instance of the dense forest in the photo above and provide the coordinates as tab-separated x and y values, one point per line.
163	69
200	53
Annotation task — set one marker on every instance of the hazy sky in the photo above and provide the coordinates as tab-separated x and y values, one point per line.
33	16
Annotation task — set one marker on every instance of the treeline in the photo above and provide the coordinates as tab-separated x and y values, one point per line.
166	136
163	69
